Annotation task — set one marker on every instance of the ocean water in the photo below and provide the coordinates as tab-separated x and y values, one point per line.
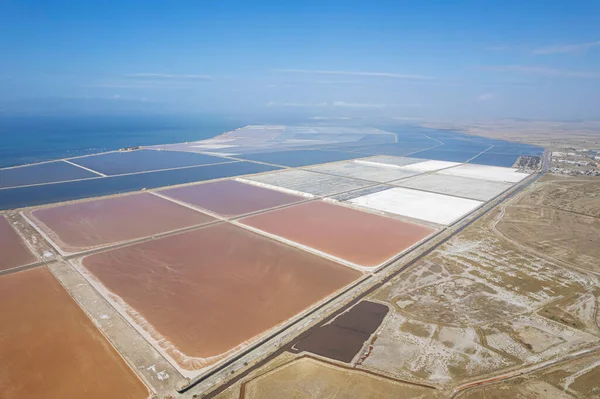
26	140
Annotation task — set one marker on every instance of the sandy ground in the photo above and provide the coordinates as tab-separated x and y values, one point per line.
487	302
575	194
522	389
582	134
579	378
564	236
307	377
559	219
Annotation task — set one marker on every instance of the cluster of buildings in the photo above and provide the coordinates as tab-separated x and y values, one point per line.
573	162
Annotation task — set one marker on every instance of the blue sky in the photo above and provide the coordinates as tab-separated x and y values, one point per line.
411	60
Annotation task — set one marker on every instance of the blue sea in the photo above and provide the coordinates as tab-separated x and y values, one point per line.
32	139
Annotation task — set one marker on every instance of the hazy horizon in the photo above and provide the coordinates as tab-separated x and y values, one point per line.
413	61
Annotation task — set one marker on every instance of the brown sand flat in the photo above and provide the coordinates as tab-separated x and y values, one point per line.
13	251
80	226
358	237
311	378
230	197
50	349
209	290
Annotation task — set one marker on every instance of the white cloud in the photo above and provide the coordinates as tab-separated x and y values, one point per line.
485	97
340	104
305	104
331	118
540	71
405	118
289	104
566	48
142	85
357	105
168	76
351	73
147	83
336	82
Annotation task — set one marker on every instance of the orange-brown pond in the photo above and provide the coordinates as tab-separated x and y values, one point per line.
50	349
358	237
84	225
203	293
13	251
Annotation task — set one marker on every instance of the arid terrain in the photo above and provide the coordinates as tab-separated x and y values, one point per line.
550	134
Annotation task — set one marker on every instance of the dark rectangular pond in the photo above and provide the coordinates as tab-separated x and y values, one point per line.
42	173
58	192
343	338
117	163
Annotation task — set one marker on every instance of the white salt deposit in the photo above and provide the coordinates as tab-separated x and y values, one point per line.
436	208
